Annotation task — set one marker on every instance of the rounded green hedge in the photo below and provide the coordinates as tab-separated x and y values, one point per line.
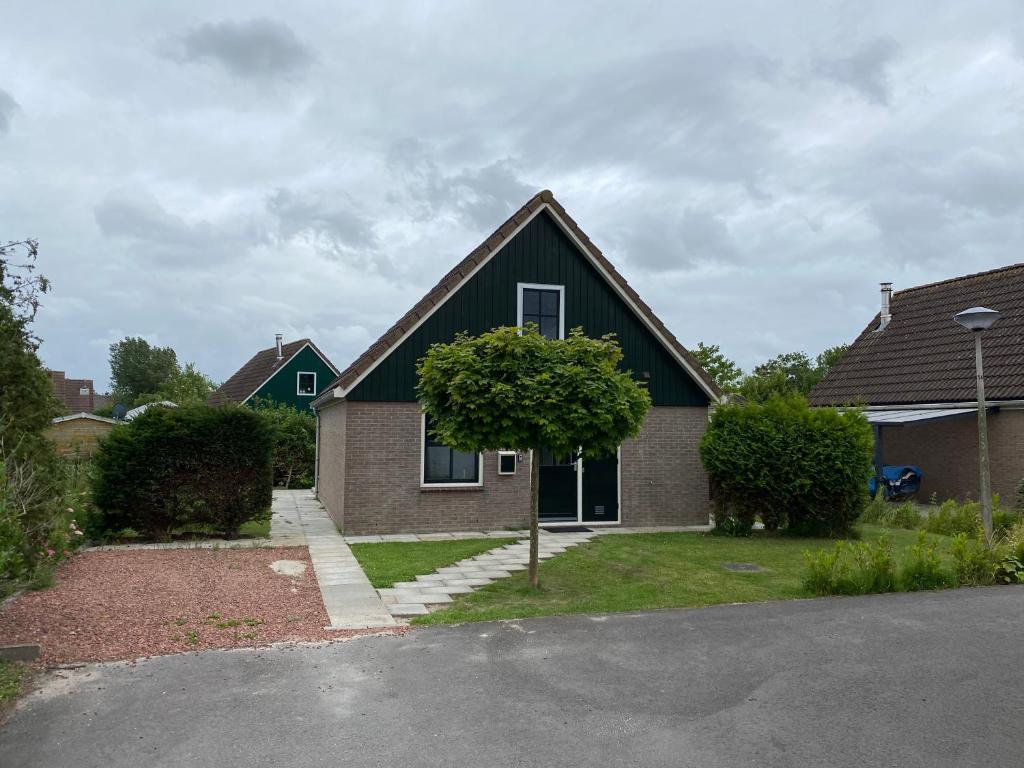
799	468
176	467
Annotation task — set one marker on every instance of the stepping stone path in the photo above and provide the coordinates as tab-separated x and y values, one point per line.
413	598
351	601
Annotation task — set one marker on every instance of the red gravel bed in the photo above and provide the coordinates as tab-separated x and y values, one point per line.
107	606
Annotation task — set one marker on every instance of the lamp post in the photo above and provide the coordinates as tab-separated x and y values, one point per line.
976	320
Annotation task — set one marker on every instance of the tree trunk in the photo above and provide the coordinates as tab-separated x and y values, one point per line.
534	517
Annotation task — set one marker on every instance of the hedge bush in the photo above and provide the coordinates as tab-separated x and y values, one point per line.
798	468
194	466
294	442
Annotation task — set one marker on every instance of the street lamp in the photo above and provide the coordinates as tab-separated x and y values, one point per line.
978	319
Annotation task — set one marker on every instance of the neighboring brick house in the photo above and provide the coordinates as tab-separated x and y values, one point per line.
379	470
292	374
913	369
77	395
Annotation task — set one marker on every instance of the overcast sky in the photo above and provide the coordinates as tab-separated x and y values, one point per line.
207	174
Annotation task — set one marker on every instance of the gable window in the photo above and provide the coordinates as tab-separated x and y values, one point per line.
544	306
446	466
306	383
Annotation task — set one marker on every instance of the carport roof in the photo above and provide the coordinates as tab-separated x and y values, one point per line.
915	415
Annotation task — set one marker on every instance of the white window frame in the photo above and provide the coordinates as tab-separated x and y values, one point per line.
423	464
298	378
515	466
83	391
541	287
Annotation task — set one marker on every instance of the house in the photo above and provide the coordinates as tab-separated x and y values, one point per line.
380	471
913	369
292	374
79	433
77	395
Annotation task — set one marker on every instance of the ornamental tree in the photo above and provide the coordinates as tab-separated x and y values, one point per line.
513	389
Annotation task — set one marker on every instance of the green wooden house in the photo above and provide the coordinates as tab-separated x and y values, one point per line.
379	470
292	374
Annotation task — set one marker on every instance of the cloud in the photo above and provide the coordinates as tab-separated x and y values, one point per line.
732	166
155	235
481	197
253	49
8	106
865	69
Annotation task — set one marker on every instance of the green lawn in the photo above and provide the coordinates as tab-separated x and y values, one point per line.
630	572
390	562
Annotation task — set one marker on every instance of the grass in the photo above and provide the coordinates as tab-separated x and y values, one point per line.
390	562
633	572
12	677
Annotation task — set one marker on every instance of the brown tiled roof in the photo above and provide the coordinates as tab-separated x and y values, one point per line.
456	276
923	356
260	367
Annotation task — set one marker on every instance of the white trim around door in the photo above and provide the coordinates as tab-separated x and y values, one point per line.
580	469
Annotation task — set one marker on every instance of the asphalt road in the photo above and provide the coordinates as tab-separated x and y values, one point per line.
896	680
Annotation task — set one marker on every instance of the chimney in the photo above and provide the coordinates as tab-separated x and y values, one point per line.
885	316
277	340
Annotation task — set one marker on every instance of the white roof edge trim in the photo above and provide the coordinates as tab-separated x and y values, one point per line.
83	415
590	257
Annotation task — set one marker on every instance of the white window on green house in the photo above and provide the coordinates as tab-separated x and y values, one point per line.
307	383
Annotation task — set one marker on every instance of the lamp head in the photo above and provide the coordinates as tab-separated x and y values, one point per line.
977	318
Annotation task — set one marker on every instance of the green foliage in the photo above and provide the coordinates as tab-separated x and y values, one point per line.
172	467
521	391
137	368
792	373
903	515
922	568
974	564
864	568
730	525
858	568
796	468
952	517
35	528
184	386
725	372
294	442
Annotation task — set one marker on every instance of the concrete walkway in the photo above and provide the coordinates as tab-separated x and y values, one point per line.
412	598
351	601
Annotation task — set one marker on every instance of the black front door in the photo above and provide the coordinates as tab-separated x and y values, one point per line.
601	490
557	488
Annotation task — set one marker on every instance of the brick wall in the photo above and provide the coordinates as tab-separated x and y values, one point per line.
382	492
947	452
78	435
663	480
370	469
331	456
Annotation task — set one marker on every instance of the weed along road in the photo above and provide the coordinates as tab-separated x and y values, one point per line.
926	679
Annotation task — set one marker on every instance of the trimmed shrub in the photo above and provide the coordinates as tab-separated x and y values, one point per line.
195	466
797	468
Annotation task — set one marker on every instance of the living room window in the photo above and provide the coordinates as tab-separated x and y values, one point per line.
445	466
